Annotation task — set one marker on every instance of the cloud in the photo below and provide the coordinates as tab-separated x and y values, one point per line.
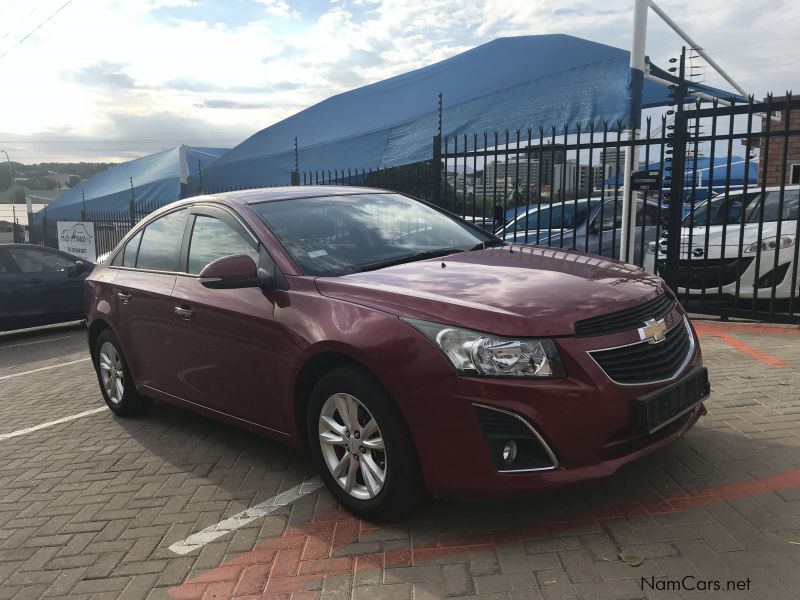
107	75
188	70
231	104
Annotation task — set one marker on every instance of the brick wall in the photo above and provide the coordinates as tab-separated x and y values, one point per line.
775	172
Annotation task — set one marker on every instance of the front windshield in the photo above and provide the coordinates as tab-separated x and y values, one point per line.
337	235
772	210
556	216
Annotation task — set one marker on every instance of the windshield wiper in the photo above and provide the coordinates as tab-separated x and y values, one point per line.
489	244
389	262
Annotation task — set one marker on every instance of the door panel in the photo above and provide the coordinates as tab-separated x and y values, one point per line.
146	327
13	307
226	349
144	304
52	292
226	339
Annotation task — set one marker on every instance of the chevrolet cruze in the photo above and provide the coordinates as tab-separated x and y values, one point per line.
408	351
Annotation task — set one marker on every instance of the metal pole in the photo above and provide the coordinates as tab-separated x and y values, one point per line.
628	233
695	46
10	169
676	184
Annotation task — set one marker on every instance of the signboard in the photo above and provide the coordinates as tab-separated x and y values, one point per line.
645	181
77	238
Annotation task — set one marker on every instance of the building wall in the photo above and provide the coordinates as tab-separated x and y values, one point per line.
775	164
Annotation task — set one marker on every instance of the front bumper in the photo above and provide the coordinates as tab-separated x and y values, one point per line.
735	276
587	420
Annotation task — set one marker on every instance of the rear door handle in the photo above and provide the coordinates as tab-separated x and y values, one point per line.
124	297
183	312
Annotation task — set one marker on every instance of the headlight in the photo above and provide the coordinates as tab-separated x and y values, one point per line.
475	353
651	248
773	243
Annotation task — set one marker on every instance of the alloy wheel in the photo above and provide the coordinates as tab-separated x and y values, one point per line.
111	372
352	446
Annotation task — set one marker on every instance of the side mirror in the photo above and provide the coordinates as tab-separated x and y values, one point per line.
78	268
233	272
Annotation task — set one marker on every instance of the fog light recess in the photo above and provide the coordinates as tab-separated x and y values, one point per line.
514	445
510	452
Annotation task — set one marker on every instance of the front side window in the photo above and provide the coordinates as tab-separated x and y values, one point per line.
161	238
337	235
720	211
556	216
213	239
770	210
31	260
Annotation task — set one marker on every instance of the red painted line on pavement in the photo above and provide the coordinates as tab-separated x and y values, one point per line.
755	328
297	563
747	349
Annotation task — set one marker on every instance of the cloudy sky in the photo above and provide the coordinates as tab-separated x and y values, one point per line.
111	80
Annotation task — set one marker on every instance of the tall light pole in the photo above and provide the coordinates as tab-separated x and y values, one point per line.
10	169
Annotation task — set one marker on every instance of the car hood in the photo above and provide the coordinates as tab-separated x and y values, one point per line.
514	290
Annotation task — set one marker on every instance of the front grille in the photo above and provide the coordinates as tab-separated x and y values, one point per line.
708	273
643	362
624	320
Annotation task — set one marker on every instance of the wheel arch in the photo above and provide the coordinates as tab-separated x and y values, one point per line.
97	326
308	375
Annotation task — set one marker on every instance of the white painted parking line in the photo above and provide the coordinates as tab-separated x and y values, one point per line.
209	534
27	430
63	337
66	364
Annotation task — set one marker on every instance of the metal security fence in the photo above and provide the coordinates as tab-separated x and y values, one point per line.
560	188
737	253
109	226
714	211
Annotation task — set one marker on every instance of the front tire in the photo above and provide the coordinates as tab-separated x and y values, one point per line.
362	447
116	383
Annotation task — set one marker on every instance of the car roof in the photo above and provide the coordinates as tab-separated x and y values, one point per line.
757	189
292	193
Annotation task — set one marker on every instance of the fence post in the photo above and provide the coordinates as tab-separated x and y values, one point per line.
436	170
436	162
200	175
679	140
131	206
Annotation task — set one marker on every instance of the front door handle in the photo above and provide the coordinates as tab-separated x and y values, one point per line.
183	312
124	297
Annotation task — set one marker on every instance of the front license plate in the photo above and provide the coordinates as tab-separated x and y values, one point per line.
661	407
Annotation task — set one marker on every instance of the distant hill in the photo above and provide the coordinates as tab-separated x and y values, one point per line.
49	176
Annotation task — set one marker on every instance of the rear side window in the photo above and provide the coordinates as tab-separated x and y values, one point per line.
158	250
213	239
131	251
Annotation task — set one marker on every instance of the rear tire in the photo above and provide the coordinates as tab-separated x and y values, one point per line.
360	443
114	376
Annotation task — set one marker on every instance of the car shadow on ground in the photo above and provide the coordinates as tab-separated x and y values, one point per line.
707	466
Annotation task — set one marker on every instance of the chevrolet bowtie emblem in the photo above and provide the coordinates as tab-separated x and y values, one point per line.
653	331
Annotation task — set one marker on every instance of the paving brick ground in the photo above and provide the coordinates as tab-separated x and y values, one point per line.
89	508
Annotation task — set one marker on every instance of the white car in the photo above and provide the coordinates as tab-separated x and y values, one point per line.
727	258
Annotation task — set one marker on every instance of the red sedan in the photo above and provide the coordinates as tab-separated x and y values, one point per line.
406	349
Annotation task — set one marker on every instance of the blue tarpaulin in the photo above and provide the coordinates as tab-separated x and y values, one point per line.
518	81
158	178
